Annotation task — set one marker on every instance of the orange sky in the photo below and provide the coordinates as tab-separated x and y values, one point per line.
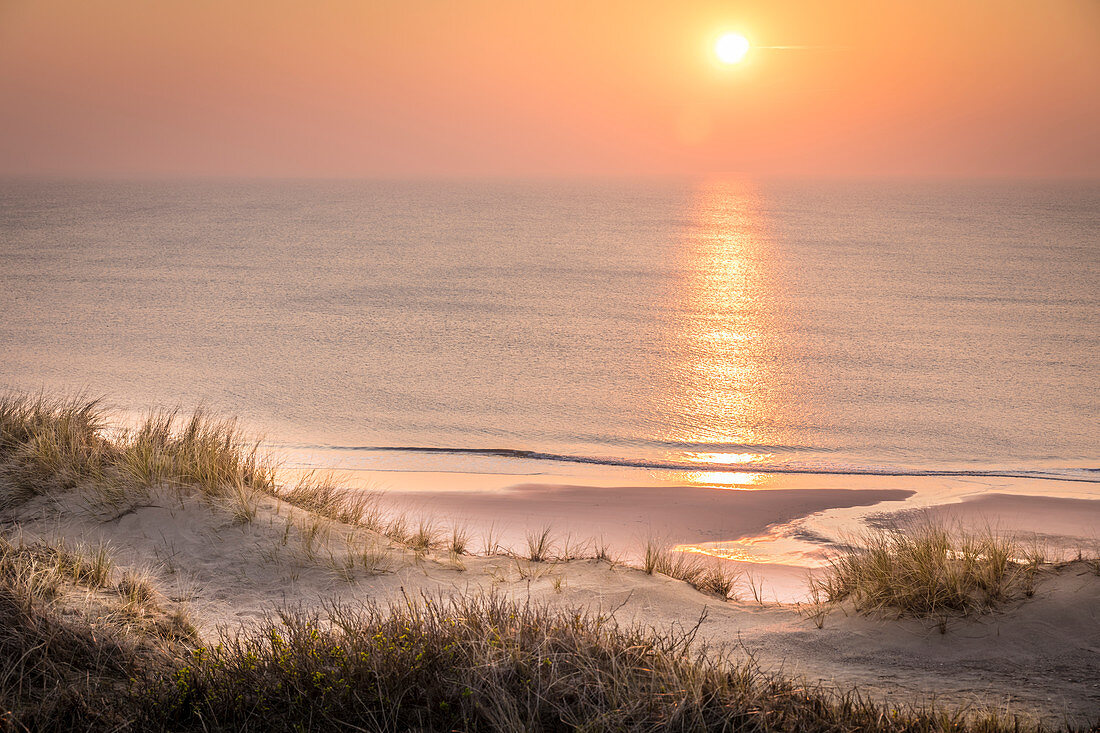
515	88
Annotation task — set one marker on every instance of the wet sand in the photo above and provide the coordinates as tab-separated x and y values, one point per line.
627	516
1056	521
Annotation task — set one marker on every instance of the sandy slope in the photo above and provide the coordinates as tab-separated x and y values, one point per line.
1041	657
1056	522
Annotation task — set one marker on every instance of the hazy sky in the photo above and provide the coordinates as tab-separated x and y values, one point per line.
518	88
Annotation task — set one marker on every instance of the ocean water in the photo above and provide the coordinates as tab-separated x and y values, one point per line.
705	327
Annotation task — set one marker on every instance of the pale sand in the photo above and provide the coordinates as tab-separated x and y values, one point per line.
1040	657
1058	522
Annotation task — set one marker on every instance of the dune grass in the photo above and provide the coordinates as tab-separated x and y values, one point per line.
199	450
50	444
929	570
320	493
540	546
92	567
477	664
459	543
709	577
482	663
488	664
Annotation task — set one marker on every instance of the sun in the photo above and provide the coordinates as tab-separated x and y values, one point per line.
731	48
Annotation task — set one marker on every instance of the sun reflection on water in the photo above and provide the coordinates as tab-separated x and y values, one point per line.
725	387
726	479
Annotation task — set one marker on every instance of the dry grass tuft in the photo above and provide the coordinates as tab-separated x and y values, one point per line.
491	541
715	579
426	536
460	540
756	588
175	626
572	548
709	577
928	570
601	550
321	493
49	445
489	664
136	588
397	529
539	545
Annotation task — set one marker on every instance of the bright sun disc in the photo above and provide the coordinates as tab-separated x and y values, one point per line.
731	48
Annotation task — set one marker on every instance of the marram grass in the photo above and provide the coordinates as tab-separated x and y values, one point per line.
490	664
709	577
50	444
928	570
473	664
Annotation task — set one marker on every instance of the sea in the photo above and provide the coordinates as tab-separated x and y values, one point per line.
707	327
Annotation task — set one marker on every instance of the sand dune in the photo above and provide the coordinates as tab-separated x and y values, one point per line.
1039	658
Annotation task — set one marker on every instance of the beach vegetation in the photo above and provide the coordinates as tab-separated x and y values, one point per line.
707	576
426	536
601	550
136	589
490	541
55	444
480	663
931	570
539	544
756	588
72	644
460	539
374	557
397	529
322	493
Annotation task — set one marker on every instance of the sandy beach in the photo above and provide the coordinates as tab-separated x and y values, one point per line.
772	527
1038	658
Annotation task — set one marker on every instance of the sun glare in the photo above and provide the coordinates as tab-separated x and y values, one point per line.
731	48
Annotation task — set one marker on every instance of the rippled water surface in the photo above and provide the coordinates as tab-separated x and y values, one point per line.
723	324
